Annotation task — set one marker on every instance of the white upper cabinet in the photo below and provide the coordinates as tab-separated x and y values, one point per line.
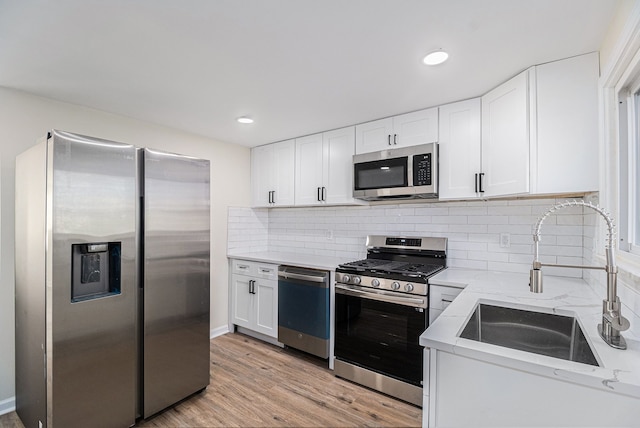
272	174
565	158
540	131
459	146
339	148
505	139
324	168
535	134
409	129
374	136
309	168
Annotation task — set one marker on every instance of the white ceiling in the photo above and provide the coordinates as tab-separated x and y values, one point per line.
296	66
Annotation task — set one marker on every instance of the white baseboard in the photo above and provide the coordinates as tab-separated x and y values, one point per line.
215	332
8	405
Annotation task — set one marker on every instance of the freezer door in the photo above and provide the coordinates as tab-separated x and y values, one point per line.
90	282
176	278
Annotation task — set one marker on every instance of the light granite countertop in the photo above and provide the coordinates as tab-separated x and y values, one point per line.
619	370
292	259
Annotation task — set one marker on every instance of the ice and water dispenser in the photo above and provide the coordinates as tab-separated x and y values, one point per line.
95	270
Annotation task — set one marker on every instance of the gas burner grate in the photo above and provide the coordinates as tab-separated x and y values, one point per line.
388	266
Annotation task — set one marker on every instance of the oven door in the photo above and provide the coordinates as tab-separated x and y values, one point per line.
379	331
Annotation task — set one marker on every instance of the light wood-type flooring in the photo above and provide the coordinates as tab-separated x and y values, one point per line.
254	384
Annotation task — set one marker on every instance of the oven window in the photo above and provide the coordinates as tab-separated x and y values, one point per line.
380	336
381	174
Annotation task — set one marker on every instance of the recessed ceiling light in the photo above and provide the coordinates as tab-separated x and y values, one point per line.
244	119
436	57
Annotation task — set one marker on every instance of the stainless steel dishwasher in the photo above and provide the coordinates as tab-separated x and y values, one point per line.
303	309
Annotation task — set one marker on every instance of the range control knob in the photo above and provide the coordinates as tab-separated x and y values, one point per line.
356	280
395	285
408	287
346	278
375	283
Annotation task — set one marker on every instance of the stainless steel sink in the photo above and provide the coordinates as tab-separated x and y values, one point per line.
553	335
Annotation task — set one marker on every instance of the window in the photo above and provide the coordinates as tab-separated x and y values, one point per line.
629	165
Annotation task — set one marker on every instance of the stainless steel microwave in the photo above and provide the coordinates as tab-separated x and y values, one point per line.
405	173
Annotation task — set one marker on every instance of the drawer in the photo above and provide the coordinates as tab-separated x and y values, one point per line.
243	267
266	271
440	296
255	269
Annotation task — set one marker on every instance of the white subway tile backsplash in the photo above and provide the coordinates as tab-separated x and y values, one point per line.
473	229
510	210
486	219
573	235
449	219
432	211
485	255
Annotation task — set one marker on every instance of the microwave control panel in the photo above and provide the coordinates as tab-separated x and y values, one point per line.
422	170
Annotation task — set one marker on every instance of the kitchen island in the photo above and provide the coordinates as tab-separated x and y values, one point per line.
469	383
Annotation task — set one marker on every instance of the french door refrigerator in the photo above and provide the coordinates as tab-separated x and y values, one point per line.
112	281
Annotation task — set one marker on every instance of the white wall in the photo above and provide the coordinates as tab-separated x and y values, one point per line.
25	118
617	25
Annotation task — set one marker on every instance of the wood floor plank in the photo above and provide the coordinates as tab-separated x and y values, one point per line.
255	384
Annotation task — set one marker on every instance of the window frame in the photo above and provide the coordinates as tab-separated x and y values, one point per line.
628	207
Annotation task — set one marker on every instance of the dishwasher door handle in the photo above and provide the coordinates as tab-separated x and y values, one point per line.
302	277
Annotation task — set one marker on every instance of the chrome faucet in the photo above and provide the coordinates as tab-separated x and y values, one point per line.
612	320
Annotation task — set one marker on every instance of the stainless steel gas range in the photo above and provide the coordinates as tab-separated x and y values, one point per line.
382	307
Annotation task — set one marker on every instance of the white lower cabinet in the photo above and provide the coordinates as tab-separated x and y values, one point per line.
254	296
466	392
440	297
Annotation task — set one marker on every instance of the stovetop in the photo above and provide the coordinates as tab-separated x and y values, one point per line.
381	266
396	264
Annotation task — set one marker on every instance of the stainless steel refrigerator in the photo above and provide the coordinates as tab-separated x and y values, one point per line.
112	281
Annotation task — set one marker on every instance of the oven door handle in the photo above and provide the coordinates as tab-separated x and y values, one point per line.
373	295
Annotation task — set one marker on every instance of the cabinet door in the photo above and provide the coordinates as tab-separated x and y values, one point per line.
261	175
374	136
283	165
505	138
566	126
310	161
339	147
266	307
459	145
419	127
241	301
